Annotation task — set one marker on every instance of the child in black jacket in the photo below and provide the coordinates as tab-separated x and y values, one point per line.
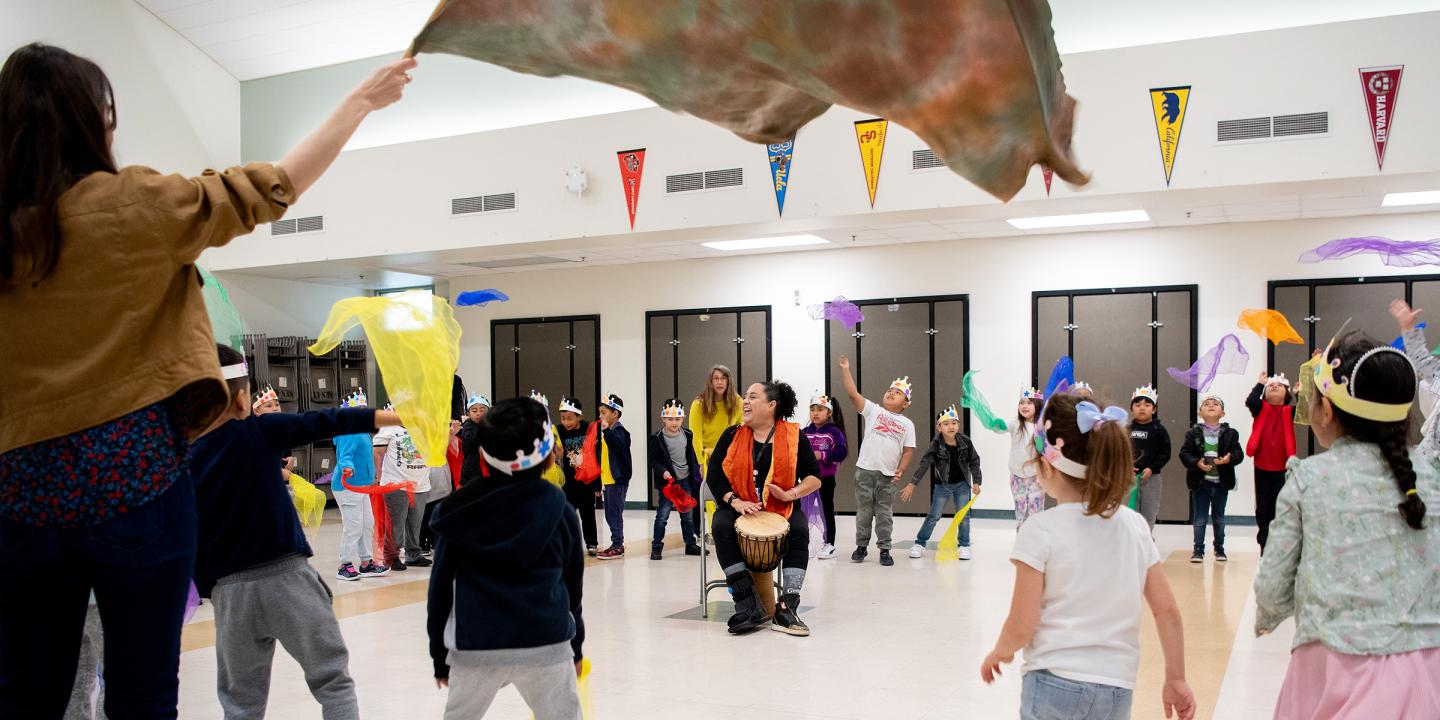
1210	453
672	457
505	592
612	454
1151	443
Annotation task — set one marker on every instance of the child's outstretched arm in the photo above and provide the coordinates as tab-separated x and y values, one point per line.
856	398
1427	366
1177	696
1020	625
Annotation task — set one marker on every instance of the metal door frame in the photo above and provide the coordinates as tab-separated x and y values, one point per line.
570	320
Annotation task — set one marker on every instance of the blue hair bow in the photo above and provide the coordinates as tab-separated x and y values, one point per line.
1088	415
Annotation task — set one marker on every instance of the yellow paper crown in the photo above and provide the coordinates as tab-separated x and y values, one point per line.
949	413
903	385
1341	393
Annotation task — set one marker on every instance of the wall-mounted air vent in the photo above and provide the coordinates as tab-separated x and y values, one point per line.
482	203
292	226
705	180
925	160
1279	126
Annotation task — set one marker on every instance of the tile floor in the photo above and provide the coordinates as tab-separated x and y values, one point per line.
902	643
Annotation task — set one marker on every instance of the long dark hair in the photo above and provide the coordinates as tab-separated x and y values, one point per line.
1385	377
55	111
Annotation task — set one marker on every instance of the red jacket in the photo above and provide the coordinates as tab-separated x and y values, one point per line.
1272	439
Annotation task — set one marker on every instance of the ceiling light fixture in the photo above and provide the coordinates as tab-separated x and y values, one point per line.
1044	222
766	242
1428	197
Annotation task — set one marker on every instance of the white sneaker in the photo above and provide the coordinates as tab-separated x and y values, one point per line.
964	553
827	551
917	551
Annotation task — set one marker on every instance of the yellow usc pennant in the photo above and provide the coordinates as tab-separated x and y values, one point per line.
871	136
1169	105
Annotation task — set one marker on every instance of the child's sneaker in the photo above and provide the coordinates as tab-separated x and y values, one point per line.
397	565
1220	556
917	551
827	552
614	552
370	568
421	561
692	549
1197	557
347	572
859	554
592	550
655	553
965	553
885	558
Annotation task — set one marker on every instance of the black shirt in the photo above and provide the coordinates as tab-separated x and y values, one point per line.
805	463
957	475
571	441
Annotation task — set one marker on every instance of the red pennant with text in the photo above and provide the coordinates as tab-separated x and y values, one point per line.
1381	86
1049	178
632	164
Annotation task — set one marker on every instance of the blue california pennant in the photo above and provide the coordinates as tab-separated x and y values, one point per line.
781	155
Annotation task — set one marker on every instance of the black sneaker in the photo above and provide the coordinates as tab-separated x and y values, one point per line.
692	549
859	555
397	565
592	550
1220	556
786	620
421	561
654	553
347	572
1198	557
748	616
373	569
885	558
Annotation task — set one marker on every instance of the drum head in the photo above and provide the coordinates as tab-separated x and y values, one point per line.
764	524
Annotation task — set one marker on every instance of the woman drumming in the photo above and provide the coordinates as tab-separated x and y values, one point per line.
716	408
765	463
108	371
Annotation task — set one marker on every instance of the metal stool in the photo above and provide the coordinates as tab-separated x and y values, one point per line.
767	600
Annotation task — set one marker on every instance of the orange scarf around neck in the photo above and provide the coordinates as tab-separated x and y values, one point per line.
739	464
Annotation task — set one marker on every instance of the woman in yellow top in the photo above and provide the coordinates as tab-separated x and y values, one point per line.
717	408
108	370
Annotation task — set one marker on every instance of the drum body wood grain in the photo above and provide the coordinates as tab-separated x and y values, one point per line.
762	540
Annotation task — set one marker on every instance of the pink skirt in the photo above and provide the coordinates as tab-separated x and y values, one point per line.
1325	684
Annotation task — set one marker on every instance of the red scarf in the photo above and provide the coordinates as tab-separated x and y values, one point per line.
589	470
739	464
1272	440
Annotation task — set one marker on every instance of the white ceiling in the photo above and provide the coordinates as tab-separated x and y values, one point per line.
258	38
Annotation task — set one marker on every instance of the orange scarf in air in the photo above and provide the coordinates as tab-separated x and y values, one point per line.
739	464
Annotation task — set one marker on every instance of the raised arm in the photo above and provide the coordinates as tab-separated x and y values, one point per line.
856	398
1427	366
306	162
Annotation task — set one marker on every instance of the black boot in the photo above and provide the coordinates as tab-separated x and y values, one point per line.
748	616
786	618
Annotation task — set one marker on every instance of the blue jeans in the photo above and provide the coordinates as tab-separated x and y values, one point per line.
1208	499
614	496
688	520
139	566
1046	696
959	493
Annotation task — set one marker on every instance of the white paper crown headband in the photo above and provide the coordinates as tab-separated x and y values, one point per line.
544	445
1342	394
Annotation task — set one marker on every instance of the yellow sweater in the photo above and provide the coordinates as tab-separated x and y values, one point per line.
707	432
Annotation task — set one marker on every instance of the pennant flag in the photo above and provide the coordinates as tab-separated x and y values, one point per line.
781	154
1269	324
632	164
1227	357
1049	178
1169	105
871	136
1381	86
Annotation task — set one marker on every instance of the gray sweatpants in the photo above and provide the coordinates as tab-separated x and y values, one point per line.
549	690
1150	499
405	522
286	601
874	501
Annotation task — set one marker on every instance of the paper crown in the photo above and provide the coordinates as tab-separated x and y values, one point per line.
1081	385
903	385
570	405
1279	379
264	397
1146	391
949	413
356	399
1212	396
477	399
544	445
613	402
539	397
1031	393
1341	394
822	400
672	409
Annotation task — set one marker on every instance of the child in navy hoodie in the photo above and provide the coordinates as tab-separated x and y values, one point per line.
504	603
252	556
612	452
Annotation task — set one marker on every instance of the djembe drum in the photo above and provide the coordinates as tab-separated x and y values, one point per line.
762	544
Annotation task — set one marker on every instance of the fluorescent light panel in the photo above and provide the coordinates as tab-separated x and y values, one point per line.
766	242
1058	221
1429	197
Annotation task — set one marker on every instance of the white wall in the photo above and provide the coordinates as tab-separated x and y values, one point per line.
178	110
395	199
1230	263
283	307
